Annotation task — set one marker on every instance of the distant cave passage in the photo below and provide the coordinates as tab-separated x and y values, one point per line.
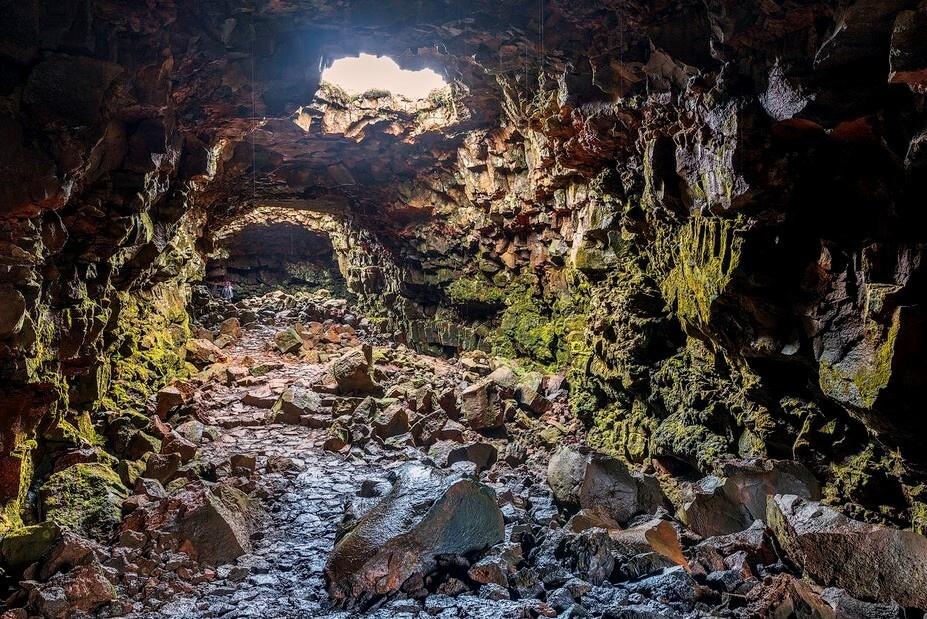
259	258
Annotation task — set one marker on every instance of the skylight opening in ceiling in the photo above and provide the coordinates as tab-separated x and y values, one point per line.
367	73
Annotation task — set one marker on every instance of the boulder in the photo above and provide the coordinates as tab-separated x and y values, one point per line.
230	327
288	341
175	443
191	430
84	498
352	372
295	402
392	421
870	561
426	514
203	352
784	595
83	588
25	545
723	505
169	399
482	454
216	523
12	311
162	467
597	482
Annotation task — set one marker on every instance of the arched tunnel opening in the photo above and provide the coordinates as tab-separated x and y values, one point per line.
463	308
260	258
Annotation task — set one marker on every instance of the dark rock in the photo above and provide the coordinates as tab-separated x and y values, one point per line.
169	399
718	506
427	514
295	402
352	372
597	482
288	341
869	561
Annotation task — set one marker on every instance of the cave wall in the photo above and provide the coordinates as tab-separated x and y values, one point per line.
709	213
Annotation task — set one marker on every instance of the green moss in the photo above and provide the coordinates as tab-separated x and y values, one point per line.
547	334
85	498
706	254
26	545
21	459
148	348
862	383
475	290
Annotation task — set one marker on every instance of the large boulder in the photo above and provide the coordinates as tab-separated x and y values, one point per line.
211	524
216	523
295	402
22	546
288	341
352	372
870	561
732	502
481	404
85	498
599	483
202	352
426	514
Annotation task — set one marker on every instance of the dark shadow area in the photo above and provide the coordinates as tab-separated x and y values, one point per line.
261	258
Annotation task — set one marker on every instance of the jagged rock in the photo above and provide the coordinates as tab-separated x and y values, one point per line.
215	521
500	562
597	482
785	595
722	505
482	454
426	514
12	311
84	588
84	498
191	430
230	327
296	402
162	467
169	399
260	398
175	443
352	372
288	341
869	561
203	352
392	421
26	545
753	543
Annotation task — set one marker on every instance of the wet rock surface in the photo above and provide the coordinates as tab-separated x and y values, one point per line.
303	498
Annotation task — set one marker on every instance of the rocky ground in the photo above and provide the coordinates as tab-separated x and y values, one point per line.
314	468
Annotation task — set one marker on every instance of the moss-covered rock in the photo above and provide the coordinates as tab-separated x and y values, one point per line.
85	498
26	545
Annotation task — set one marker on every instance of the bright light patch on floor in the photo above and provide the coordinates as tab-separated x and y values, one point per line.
367	72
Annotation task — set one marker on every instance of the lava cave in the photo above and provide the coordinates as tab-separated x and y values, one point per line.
352	308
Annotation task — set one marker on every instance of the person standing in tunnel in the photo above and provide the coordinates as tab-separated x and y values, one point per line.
227	293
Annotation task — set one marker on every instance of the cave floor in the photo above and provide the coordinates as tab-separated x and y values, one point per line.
300	507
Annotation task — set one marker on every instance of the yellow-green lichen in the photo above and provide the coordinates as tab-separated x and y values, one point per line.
85	498
706	254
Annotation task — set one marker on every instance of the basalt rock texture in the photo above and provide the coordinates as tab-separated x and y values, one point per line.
708	214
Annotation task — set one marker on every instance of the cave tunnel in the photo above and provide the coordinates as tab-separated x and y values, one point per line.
275	256
463	308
